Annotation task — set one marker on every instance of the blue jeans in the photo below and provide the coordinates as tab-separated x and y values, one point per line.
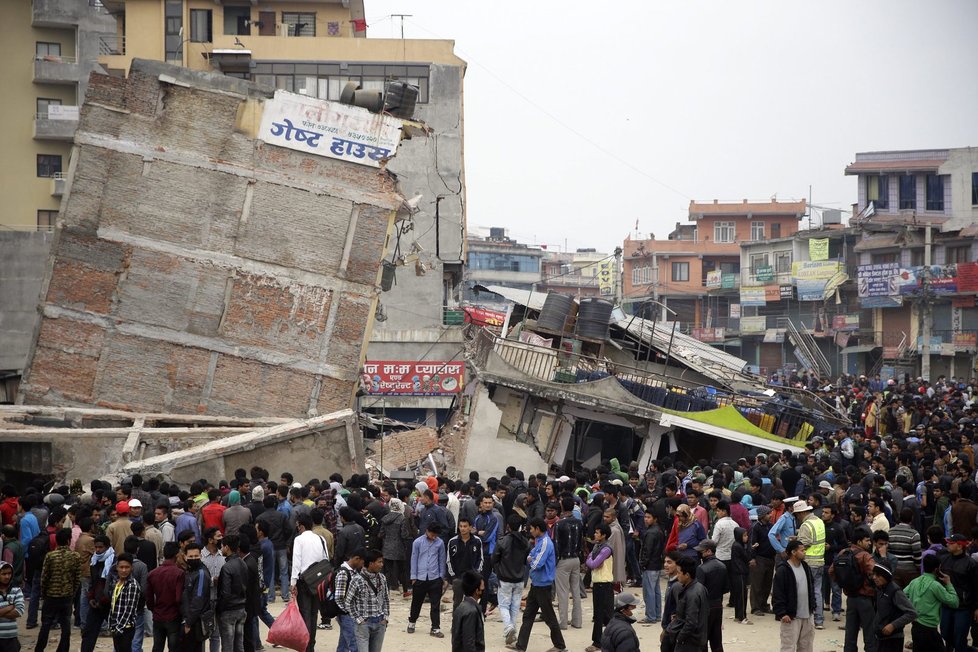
631	559
652	595
348	634
836	599
370	634
140	631
282	570
231	623
955	624
509	595
818	575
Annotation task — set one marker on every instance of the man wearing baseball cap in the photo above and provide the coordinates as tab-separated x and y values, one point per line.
712	574
619	633
963	571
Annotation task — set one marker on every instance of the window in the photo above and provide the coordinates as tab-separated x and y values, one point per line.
237	20
959	254
908	191
42	49
723	232
201	25
776	230
782	262
326	80
757	261
916	257
680	272
46	220
884	258
42	106
757	230
299	24
641	275
730	268
935	192
173	12
878	190
48	165
974	188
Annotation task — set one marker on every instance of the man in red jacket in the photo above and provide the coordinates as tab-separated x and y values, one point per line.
212	514
164	590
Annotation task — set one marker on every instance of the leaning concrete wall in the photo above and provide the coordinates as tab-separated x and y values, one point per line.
198	270
23	262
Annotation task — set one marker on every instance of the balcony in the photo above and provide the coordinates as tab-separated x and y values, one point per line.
58	13
57	184
50	69
111	45
60	125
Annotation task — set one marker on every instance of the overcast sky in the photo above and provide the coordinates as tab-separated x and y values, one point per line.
581	118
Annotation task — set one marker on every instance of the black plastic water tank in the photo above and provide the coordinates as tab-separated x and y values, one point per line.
594	318
555	310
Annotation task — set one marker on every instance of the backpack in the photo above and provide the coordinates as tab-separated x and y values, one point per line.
330	608
37	548
848	575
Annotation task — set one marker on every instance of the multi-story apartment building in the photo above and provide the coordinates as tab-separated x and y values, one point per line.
48	47
674	272
582	273
497	259
314	47
916	208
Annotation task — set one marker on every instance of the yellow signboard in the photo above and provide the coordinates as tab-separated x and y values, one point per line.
818	249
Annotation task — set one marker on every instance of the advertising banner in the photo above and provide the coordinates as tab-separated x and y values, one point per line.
815	279
967	277
484	317
331	129
764	273
755	325
408	378
728	281
709	334
881	302
772	293
787	291
752	296
965	341
735	311
606	277
714	279
818	249
942	279
845	322
879	280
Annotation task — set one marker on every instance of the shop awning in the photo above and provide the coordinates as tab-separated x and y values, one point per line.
860	348
731	342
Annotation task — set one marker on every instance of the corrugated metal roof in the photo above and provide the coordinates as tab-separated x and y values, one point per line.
528	298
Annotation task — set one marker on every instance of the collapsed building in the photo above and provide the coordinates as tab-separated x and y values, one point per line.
566	383
217	260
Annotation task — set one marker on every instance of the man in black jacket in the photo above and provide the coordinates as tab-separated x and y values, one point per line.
712	574
253	592
793	608
468	625
619	634
195	607
464	553
688	627
275	525
568	542
509	562
761	554
653	549
232	595
894	611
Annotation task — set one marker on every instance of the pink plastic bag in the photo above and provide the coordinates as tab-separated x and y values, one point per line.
289	630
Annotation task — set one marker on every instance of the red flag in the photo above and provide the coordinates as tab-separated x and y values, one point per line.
359	24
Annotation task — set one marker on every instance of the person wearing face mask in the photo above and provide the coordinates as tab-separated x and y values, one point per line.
195	603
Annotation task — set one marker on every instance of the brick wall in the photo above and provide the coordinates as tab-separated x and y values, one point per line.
403	448
201	271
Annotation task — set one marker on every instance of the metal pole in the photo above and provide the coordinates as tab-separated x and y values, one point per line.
925	306
672	336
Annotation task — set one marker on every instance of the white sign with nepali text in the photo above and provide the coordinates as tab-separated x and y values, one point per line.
323	128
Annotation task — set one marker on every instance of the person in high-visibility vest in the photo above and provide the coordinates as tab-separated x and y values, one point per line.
811	532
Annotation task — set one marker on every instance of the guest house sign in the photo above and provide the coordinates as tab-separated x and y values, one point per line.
340	131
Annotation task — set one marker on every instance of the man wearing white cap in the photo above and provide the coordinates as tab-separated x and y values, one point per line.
811	532
135	510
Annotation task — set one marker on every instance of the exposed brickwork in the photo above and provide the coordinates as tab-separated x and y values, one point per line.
403	448
201	271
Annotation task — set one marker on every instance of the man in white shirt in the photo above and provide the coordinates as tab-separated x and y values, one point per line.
723	533
308	548
874	509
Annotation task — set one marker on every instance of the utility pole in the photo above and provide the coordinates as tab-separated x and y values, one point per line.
925	306
402	17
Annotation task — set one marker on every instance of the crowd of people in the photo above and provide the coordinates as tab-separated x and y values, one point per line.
881	514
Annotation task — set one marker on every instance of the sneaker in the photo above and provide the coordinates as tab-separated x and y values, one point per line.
819	626
511	636
511	646
757	612
437	633
592	648
325	626
406	595
746	621
410	629
836	618
34	626
557	649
